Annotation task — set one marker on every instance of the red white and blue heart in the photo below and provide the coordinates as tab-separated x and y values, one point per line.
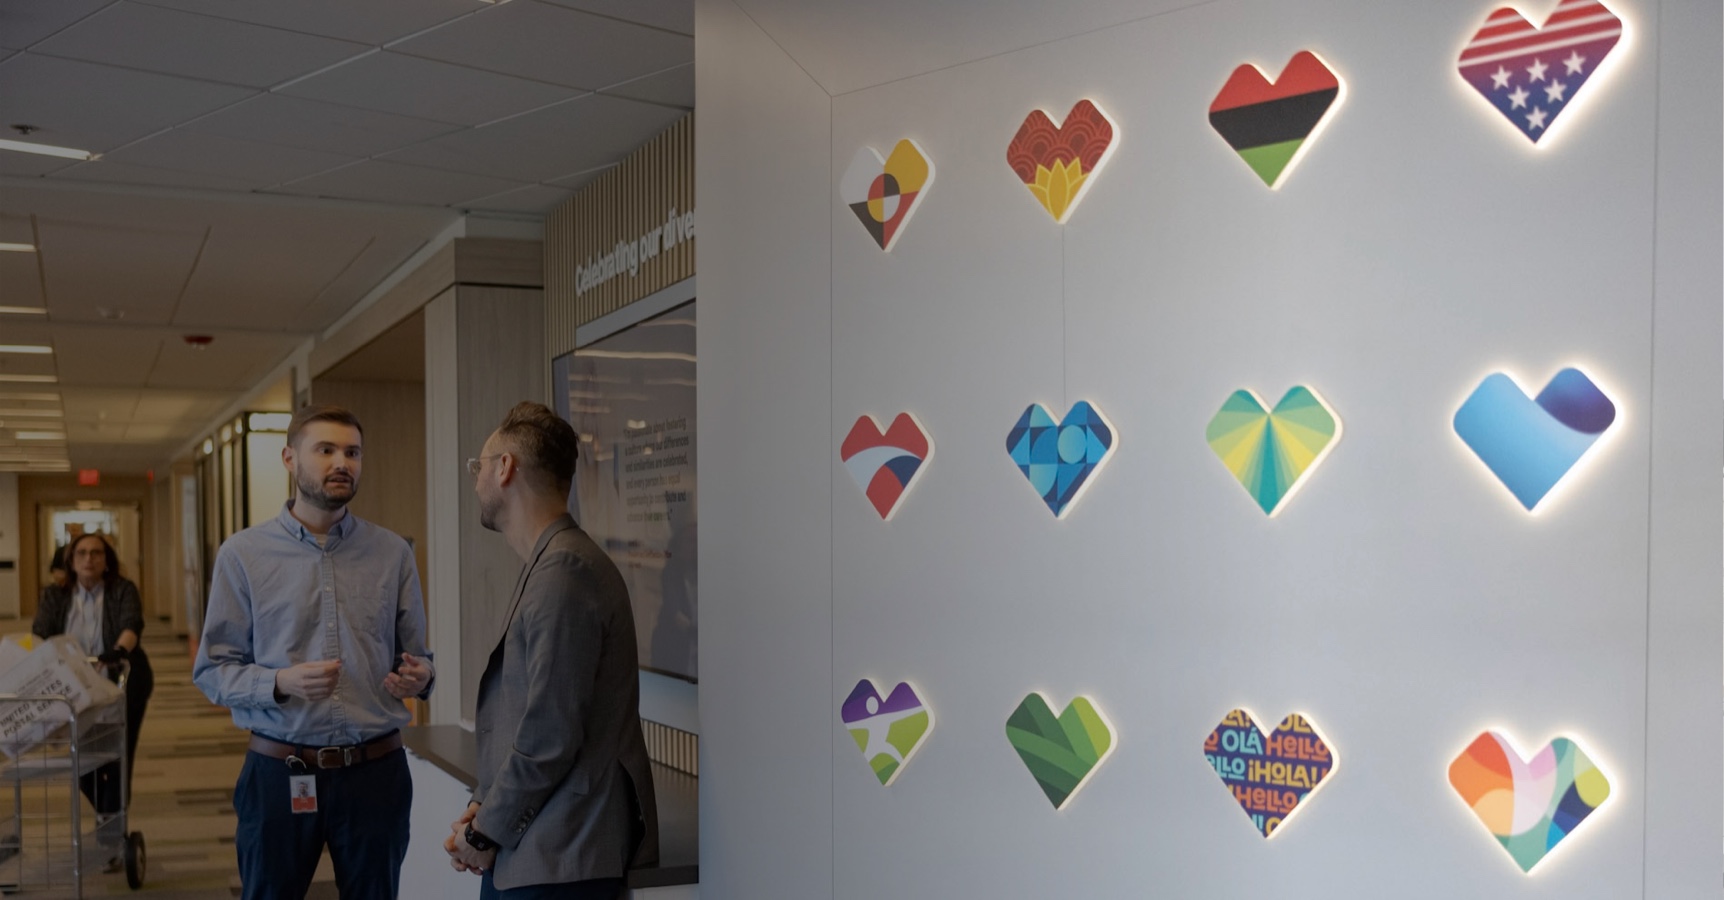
886	464
1533	75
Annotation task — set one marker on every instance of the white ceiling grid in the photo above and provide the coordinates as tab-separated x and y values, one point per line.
265	165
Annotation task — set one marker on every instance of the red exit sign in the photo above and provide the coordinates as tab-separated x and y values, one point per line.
89	477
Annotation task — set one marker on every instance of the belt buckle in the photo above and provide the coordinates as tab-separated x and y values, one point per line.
342	757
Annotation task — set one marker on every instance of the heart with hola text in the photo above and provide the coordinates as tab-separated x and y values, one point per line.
1271	776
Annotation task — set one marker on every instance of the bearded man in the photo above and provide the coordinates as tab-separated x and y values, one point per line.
314	637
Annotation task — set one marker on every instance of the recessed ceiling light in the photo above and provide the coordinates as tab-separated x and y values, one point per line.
17	248
30	379
33	413
47	150
22	311
34	349
40	435
110	313
28	395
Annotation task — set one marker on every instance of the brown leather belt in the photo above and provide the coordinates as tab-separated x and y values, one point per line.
328	757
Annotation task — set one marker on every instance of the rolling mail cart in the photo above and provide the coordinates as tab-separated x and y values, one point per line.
61	722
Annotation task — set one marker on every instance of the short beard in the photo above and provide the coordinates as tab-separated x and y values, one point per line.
313	493
488	510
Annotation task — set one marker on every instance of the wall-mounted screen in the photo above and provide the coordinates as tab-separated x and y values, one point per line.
630	396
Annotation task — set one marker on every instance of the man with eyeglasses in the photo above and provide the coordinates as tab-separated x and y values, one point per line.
564	804
314	638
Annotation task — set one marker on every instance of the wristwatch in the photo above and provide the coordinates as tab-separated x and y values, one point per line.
478	841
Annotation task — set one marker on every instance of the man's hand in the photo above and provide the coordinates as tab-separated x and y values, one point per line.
410	679
309	680
462	856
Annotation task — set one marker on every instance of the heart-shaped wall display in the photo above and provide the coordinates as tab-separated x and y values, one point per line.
1271	451
1270	123
1271	776
1058	163
886	464
1063	751
1531	443
883	193
1530	806
1533	75
888	731
1060	458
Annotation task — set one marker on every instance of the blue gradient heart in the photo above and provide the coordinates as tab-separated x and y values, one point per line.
1060	458
1530	444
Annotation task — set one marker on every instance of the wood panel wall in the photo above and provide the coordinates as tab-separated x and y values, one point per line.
624	204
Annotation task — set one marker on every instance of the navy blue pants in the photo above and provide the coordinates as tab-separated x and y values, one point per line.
597	889
362	815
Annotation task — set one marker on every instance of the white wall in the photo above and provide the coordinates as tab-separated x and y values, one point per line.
1402	599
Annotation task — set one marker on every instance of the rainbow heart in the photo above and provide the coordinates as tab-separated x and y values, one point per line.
1270	123
1058	162
884	193
888	731
886	464
1530	806
1271	452
1270	777
1533	75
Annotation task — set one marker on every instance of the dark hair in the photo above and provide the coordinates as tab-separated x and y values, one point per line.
57	563
320	413
543	440
113	559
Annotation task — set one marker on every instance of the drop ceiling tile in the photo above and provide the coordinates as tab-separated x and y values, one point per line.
537	199
553	43
137	268
24	22
277	271
103	356
20	284
106	171
674	87
390	182
179	407
27	332
31	165
99	404
259	165
365	21
671	15
427	89
313	125
194	46
152	434
581	179
571	137
381	257
98	108
16	230
14	364
237	359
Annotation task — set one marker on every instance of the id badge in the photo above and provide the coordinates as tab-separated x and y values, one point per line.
302	793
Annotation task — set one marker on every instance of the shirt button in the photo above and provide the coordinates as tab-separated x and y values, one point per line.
332	626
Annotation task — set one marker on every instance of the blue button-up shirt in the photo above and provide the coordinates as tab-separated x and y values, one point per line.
278	599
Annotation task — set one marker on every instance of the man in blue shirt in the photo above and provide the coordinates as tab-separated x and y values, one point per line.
314	637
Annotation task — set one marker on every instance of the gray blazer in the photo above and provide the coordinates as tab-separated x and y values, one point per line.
564	783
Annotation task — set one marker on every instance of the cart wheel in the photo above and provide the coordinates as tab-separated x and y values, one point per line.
135	860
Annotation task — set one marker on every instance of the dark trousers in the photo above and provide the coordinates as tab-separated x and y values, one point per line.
362	815
597	889
103	786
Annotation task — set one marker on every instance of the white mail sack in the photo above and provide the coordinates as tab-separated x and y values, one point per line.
57	667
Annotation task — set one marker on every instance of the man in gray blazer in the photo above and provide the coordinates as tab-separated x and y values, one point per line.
564	804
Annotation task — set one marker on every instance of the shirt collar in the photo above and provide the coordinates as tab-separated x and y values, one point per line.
342	529
79	592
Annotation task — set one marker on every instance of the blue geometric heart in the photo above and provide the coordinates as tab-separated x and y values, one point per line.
1530	444
1059	457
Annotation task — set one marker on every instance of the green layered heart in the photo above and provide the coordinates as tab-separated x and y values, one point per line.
1063	751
